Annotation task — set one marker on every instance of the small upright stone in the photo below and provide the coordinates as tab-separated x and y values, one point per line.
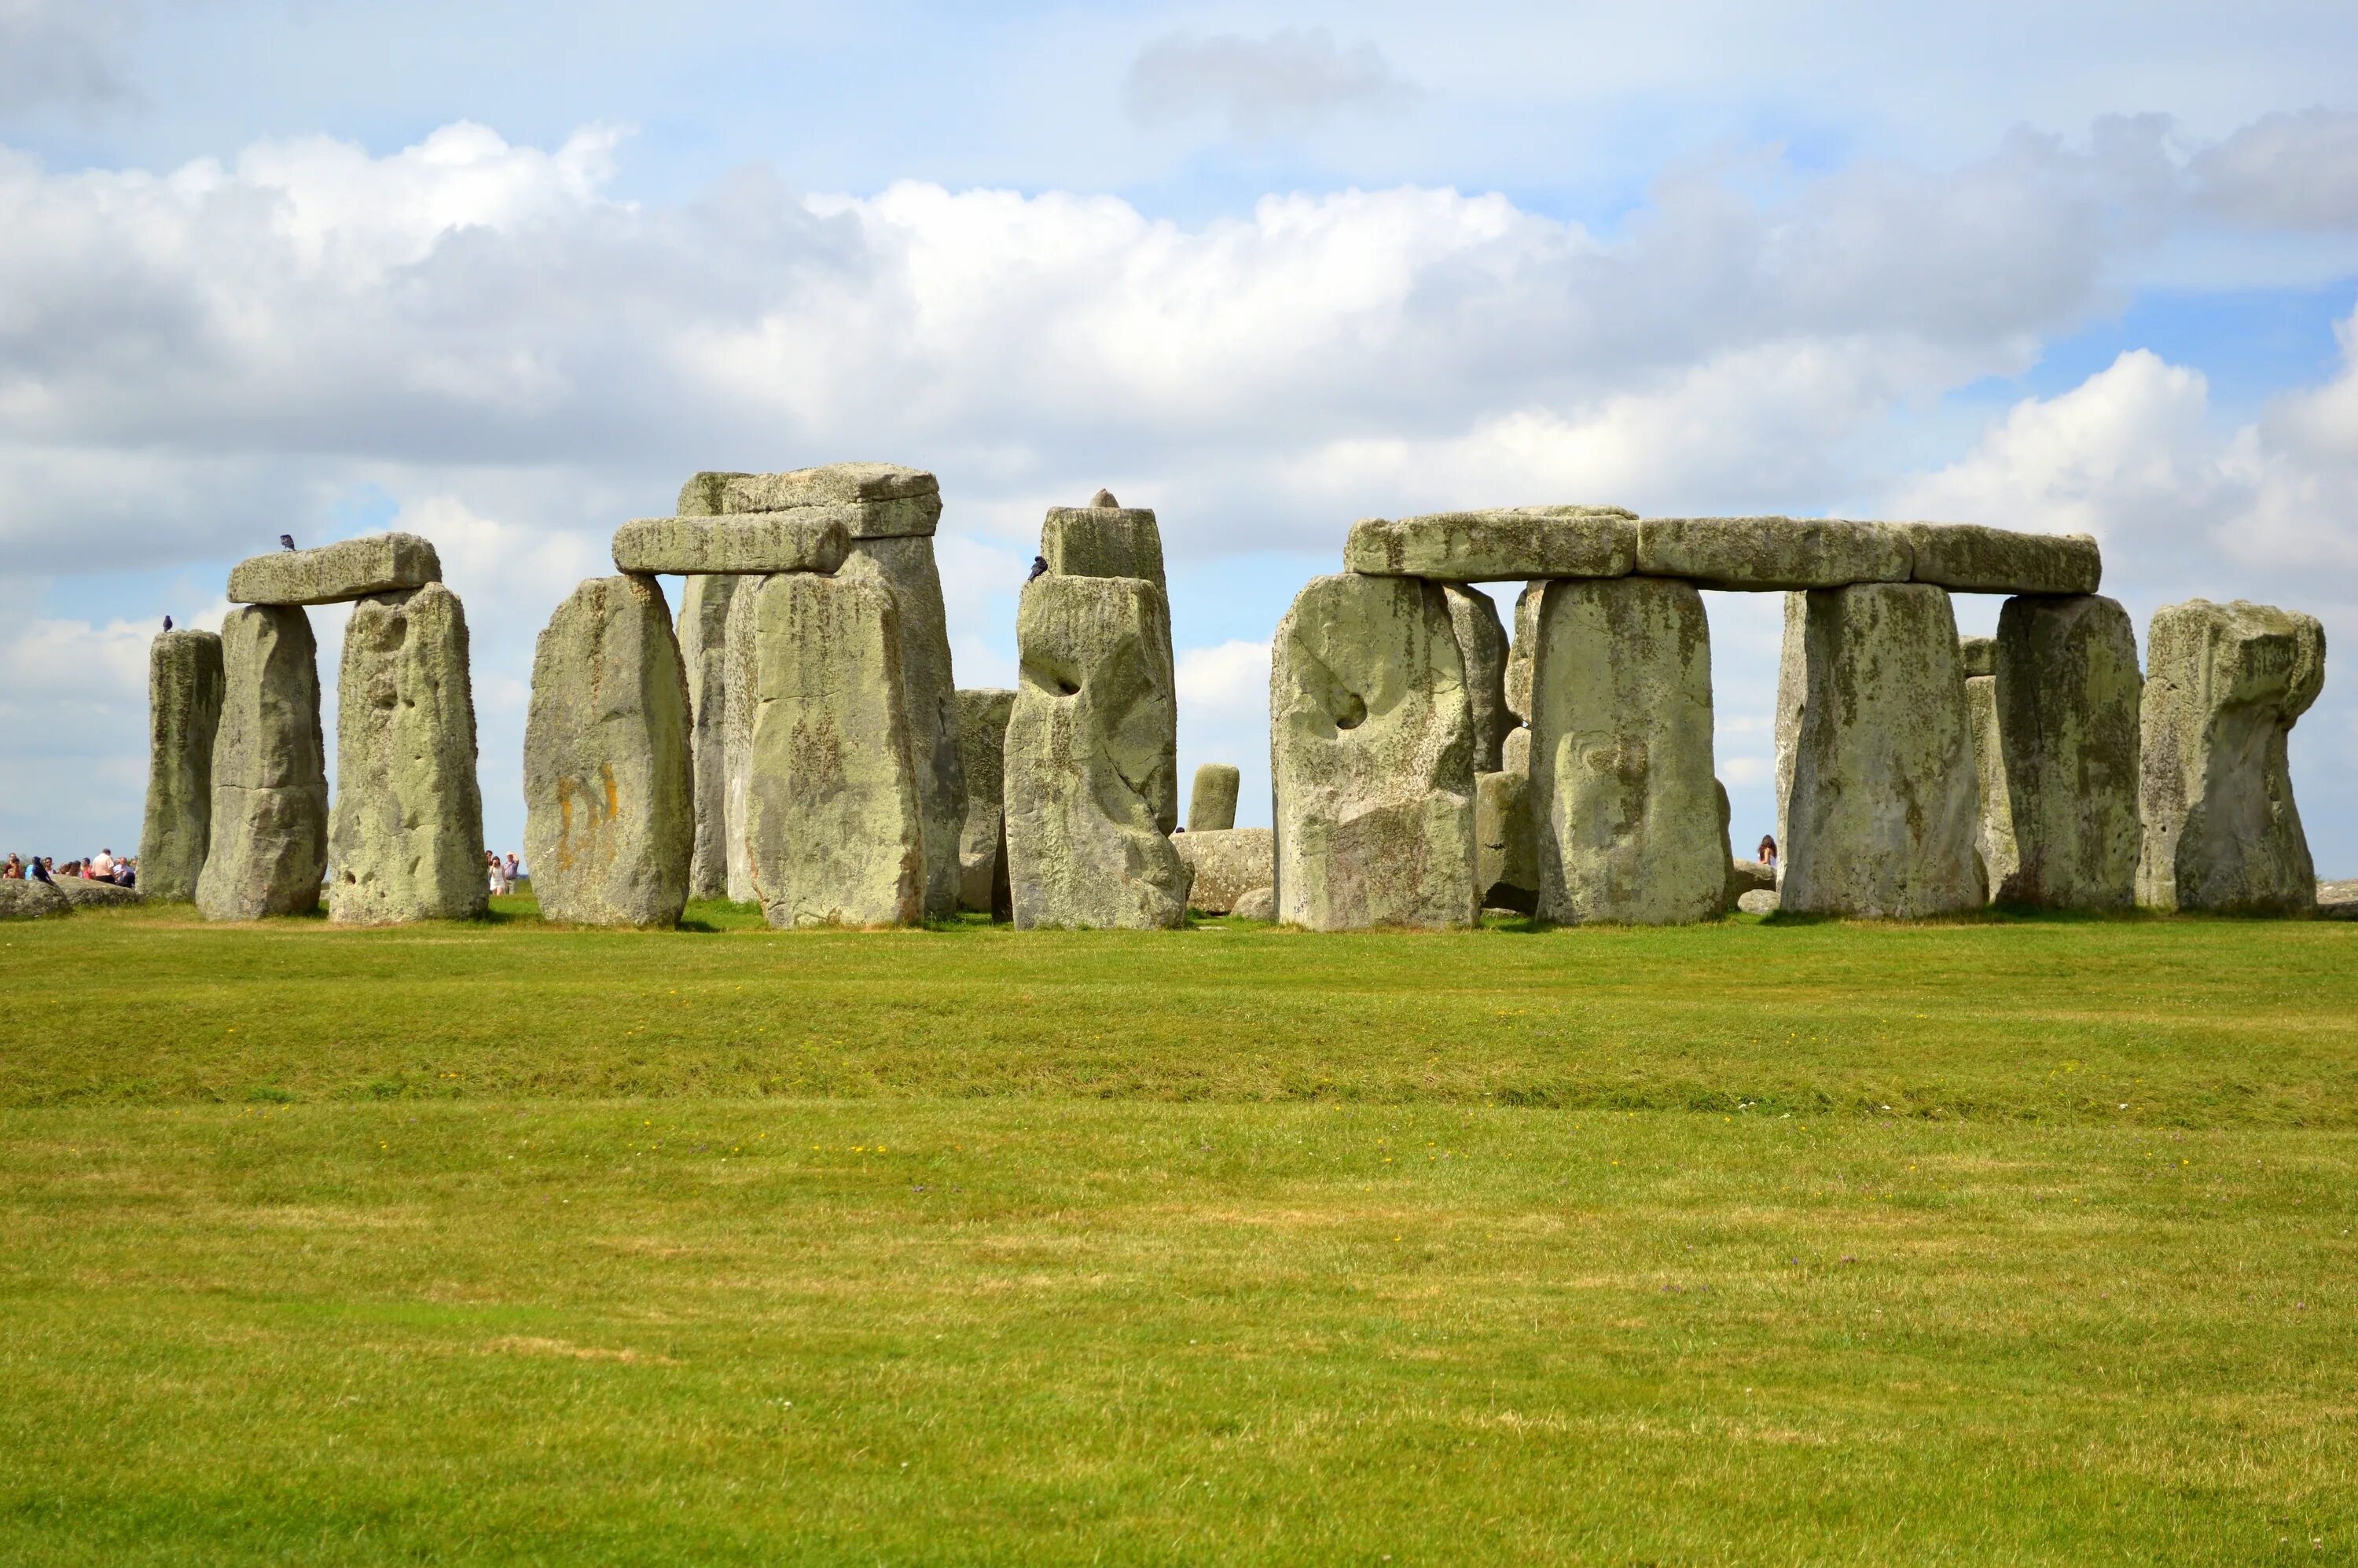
269	840
1499	544
2225	684
1994	839
609	792
1482	643
1506	856
2067	693
1212	803
1792	695
1104	540
332	574
1104	497
1518	681
184	704
983	714
1371	750
703	637
405	840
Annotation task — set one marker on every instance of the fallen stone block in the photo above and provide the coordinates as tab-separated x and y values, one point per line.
1965	557
1759	901
982	841
2067	695
1497	545
331	574
269	848
184	703
32	901
1768	553
2338	899
814	539
1228	862
1261	904
85	894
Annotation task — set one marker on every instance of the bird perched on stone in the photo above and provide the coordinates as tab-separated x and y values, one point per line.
1039	567
285	541
1103	498
168	624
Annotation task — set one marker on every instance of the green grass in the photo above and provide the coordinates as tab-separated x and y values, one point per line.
2005	1241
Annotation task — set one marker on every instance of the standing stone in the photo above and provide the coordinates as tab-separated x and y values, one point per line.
1506	856
703	636
1103	539
736	741
406	840
184	704
1482	642
1792	695
1624	797
2067	695
1518	680
982	843
1212	804
1088	758
1994	839
610	790
2225	684
1227	864
269	842
833	812
1371	752
1885	805
905	566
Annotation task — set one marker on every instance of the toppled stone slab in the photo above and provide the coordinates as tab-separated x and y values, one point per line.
929	688
1495	545
702	632
184	703
269	838
1994	839
1259	904
1104	541
1759	901
31	900
1768	553
82	893
1212	803
1966	558
814	540
1482	643
1748	876
884	500
1372	745
2338	899
1228	862
1089	761
1506	854
2067	695
2225	684
983	714
331	574
609	795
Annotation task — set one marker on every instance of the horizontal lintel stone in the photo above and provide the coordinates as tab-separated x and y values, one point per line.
1498	545
331	574
1769	554
806	539
1966	558
878	501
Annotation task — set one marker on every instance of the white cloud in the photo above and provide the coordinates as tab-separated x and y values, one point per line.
62	51
2293	171
1287	81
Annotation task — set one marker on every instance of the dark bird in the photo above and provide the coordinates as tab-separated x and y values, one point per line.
168	624
1039	567
285	541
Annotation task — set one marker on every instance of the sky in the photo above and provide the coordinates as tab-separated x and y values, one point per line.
504	274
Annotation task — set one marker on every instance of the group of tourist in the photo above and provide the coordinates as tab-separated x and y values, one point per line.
102	867
503	873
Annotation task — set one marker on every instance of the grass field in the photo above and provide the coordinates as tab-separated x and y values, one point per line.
2005	1242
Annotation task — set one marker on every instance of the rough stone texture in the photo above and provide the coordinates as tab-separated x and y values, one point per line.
883	499
1994	837
834	806
905	565
1748	876
1760	900
811	539
1515	756
2337	901
2225	684
982	842
184	703
1104	541
1885	805
32	901
382	563
1371	753
269	844
1482	643
405	840
83	895
1792	696
1518	683
1259	904
1212	802
610	790
1965	557
1762	553
1506	856
1090	752
1228	862
1496	545
1977	655
702	633
2067	699
737	743
1625	802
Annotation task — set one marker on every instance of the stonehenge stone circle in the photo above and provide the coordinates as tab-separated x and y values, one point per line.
1497	545
1506	857
184	704
1212	802
1885	805
269	847
1088	758
1259	904
352	569
1103	539
1228	862
2225	684
1762	553
1624	797
703	636
405	837
1482	643
609	798
2067	695
1994	839
1372	752
983	714
810	539
834	825
903	565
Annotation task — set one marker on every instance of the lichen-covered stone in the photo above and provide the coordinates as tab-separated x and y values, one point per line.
1259	904
405	839
1227	864
1623	801
834	810
1212	801
1372	752
1482	643
1977	655
2338	899
1758	900
1515	755
1495	545
702	633
737	743
1089	760
184	703
1104	541
1885	805
2067	695
1766	553
609	789
1506	855
983	714
83	895
883	499
1517	685
809	539
269	840
353	568
1994	837
32	901
1965	557
904	564
1792	695
1748	876
2225	684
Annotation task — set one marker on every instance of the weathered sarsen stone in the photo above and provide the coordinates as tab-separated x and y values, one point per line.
2067	694
1212	803
885	499
834	811
84	894
1259	904
1499	545
1624	797
737	743
269	842
1792	696
810	539
2225	684
405	840
1506	852
905	566
1517	684
1228	862
1758	553
609	794
703	636
1482	643
983	714
32	901
1885	806
1965	557
1372	752
1103	539
1088	758
354	568
184	703
1994	839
